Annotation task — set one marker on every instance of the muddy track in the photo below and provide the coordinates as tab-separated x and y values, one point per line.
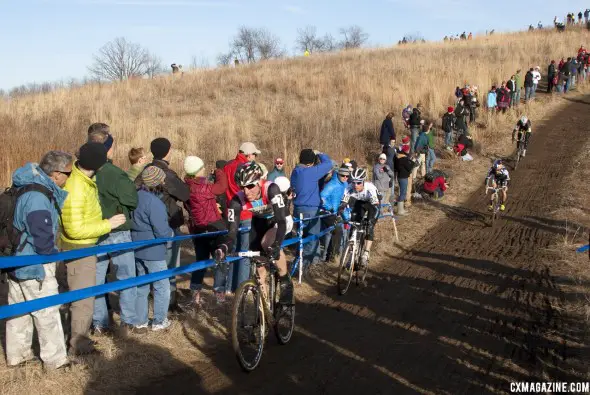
468	309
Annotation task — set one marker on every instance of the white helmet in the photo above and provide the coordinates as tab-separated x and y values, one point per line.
524	119
358	174
283	183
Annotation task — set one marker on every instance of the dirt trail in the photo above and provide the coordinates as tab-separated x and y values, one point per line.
467	309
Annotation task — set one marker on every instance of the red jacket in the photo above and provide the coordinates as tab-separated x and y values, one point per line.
230	170
439	182
202	204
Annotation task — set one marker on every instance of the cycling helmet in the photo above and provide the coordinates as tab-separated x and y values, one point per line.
524	119
283	183
358	174
248	174
497	162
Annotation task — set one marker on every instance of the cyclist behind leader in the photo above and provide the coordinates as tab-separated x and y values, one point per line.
361	197
522	126
270	221
500	177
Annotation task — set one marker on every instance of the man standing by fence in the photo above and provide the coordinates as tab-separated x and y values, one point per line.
117	195
305	183
82	225
36	215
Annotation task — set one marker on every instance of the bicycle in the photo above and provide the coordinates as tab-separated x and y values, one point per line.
253	311
495	202
351	257
520	149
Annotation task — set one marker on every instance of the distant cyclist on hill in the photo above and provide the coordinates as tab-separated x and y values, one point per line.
499	176
359	198
522	126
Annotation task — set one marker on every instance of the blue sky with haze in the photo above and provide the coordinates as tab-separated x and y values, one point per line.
52	40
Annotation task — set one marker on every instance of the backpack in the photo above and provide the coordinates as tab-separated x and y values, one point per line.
9	235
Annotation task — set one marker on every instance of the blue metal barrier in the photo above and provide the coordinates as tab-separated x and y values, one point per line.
583	248
17	309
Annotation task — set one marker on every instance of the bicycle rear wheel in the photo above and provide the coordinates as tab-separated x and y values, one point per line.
248	325
284	316
346	270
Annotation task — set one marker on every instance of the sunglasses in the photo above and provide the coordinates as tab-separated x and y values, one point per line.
344	175
251	186
358	182
279	163
66	173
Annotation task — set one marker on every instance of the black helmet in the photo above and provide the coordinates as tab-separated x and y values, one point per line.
248	174
358	174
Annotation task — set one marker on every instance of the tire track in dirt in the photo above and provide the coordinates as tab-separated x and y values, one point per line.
467	310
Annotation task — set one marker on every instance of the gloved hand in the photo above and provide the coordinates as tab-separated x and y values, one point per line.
273	252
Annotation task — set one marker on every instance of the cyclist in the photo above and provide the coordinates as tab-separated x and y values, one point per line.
361	197
269	221
500	177
522	126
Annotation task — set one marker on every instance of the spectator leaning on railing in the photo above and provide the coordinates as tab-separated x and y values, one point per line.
36	215
117	195
331	196
174	191
82	225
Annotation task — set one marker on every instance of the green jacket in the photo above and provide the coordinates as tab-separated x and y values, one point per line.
430	136
518	81
116	192
134	171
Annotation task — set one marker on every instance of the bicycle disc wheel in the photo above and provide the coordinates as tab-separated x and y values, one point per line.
248	326
284	316
346	270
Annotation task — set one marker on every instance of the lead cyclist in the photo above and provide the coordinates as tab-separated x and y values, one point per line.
361	197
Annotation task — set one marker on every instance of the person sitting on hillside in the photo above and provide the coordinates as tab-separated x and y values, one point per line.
435	184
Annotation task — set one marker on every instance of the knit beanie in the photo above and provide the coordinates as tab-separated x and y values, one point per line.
192	165
92	156
160	147
307	156
153	176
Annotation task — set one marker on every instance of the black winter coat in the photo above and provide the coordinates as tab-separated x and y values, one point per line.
387	132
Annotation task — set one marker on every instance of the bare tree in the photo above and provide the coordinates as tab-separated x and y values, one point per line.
225	59
120	60
199	62
308	40
327	43
244	44
353	37
154	66
268	45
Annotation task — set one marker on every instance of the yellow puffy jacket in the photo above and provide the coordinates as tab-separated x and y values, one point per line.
81	215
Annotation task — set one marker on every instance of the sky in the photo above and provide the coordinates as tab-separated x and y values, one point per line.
54	40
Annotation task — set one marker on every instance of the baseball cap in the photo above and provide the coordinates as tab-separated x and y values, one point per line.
279	161
382	156
249	148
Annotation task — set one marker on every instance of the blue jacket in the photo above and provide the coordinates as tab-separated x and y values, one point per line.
37	217
387	132
332	194
275	173
492	103
150	221
305	182
421	143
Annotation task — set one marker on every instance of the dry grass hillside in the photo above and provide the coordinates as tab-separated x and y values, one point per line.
333	103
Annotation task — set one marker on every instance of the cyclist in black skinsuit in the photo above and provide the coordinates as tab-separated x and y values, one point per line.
269	221
523	126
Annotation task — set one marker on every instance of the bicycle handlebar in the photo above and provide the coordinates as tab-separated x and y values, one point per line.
244	254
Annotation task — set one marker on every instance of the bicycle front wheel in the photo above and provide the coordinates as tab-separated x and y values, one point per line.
248	325
284	316
346	270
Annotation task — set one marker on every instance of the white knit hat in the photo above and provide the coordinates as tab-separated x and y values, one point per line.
192	165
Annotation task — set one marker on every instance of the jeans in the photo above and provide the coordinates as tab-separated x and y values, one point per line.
239	271
430	159
516	100
161	293
313	227
534	89
328	250
124	263
572	81
204	249
567	85
449	139
403	188
528	93
173	258
414	131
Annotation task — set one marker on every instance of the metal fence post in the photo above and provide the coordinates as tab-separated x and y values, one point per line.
300	234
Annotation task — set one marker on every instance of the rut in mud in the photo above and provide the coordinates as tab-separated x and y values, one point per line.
468	309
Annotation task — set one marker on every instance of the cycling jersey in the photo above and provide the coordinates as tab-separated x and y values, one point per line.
368	194
501	176
523	127
268	212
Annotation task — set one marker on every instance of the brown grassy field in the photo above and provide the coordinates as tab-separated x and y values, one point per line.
333	103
